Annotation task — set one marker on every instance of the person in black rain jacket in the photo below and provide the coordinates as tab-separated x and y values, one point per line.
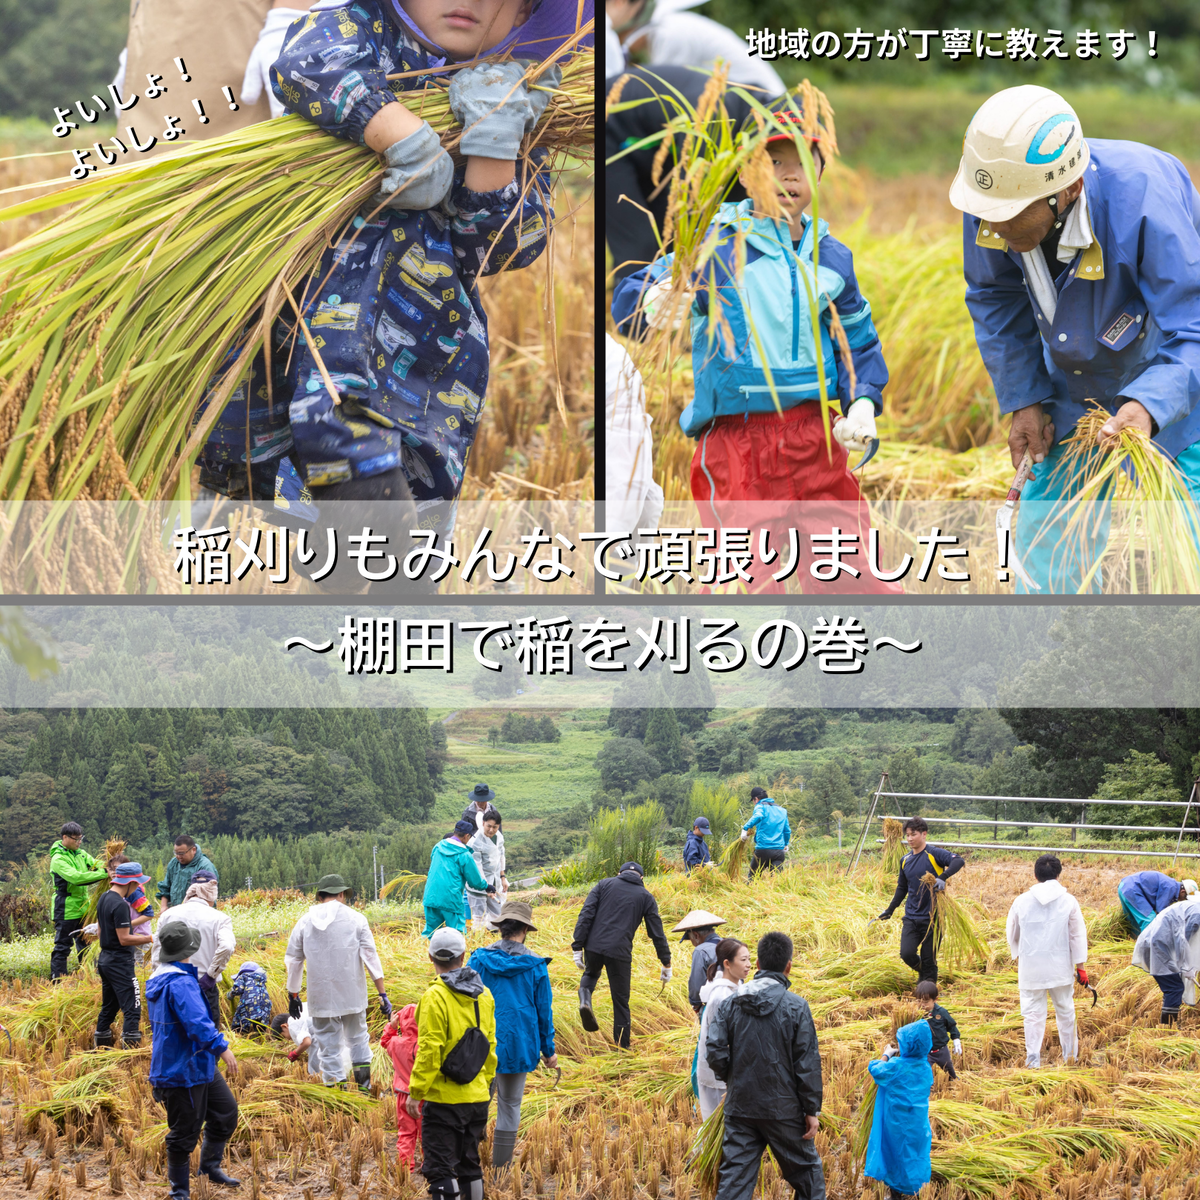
763	1044
603	940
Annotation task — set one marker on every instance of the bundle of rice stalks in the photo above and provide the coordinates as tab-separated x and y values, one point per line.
112	847
956	938
115	317
404	884
705	1157
733	861
1160	553
863	1120
893	847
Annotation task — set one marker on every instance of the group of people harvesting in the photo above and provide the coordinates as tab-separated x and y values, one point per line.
487	1019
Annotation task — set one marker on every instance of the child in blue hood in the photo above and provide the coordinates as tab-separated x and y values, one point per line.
393	307
251	1000
898	1153
452	867
520	985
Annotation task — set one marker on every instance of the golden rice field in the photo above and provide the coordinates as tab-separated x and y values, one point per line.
1120	1124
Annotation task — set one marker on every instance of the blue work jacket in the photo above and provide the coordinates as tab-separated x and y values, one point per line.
774	832
1127	325
185	1043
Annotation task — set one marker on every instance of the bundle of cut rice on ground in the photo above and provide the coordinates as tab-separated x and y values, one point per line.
115	317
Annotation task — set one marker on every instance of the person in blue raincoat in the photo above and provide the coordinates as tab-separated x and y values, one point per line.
393	306
1147	893
1081	259
773	833
451	868
520	985
898	1152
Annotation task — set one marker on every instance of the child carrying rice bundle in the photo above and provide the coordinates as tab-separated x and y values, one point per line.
380	398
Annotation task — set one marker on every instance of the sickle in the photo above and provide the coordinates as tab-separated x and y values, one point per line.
868	454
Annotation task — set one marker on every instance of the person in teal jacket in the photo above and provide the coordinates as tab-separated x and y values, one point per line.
189	859
451	868
773	832
898	1151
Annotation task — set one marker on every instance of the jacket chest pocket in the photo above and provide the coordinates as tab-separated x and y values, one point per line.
1123	325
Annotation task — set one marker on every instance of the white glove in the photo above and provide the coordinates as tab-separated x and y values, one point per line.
957	1046
665	975
91	930
662	312
579	959
889	1052
745	834
119	78
856	429
266	50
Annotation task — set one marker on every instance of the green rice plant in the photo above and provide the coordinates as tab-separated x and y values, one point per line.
571	872
733	860
997	1167
1161	552
78	1098
616	837
115	316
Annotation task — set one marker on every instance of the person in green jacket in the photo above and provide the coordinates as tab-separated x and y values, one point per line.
453	1114
451	868
189	859
73	869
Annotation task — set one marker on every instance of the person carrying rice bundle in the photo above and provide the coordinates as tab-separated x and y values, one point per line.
395	319
918	939
1169	949
1047	939
898	1152
1145	894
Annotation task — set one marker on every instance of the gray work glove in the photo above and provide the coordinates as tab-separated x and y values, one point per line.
419	172
550	78
493	107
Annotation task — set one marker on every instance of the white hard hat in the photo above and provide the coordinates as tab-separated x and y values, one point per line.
1189	886
1024	143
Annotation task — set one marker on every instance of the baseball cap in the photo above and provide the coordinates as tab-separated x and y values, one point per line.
632	866
465	827
446	945
204	875
130	872
702	824
1189	886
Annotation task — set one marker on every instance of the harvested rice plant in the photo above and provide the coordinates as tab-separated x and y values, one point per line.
621	1125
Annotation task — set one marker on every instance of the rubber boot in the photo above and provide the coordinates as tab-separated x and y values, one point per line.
1170	1016
179	1172
362	1076
210	1164
104	1041
470	1190
504	1142
444	1189
586	1016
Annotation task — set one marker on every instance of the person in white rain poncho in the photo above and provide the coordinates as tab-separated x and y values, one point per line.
635	501
217	942
334	943
488	848
1048	940
1169	949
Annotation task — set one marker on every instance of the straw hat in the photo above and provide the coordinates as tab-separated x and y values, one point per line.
698	918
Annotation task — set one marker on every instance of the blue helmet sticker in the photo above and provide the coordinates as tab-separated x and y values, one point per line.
1034	155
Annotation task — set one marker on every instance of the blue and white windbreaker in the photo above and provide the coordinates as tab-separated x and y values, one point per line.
769	316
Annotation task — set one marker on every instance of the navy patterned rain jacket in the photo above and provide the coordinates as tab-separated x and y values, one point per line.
399	324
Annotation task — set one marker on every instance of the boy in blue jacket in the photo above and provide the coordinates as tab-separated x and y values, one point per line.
520	985
759	431
183	1064
695	852
773	832
393	307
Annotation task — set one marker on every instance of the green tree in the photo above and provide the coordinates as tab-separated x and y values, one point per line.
663	739
826	791
788	728
625	762
908	772
1141	778
979	735
32	819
